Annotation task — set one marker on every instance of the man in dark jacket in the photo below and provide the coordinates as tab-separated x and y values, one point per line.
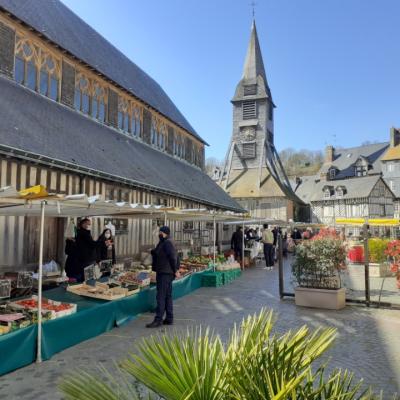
165	264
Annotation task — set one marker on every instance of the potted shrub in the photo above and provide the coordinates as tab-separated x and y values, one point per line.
393	251
378	267
316	270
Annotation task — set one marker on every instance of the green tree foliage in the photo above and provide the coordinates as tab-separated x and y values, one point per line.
301	162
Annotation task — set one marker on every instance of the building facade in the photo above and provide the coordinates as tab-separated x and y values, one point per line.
80	117
350	184
253	174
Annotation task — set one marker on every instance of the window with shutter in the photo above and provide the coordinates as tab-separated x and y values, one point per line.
248	150
249	90
249	109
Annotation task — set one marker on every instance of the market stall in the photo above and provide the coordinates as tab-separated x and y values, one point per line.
252	249
73	316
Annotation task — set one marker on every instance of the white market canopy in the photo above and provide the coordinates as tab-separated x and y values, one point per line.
257	221
29	202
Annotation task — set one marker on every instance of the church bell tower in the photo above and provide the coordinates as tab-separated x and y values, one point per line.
253	173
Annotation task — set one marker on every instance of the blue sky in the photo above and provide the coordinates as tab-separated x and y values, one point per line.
333	65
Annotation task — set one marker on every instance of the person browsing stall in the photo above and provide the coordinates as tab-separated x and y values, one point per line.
237	243
268	241
165	264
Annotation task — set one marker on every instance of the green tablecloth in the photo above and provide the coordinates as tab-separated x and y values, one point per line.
17	349
92	318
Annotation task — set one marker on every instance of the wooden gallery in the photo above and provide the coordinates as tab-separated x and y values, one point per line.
77	116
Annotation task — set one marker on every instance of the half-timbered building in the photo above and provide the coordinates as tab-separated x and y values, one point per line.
77	116
349	184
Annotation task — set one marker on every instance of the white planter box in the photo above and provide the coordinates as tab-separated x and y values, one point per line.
379	270
320	298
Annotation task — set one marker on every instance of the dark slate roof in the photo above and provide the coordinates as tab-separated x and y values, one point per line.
305	189
345	159
32	123
59	24
312	188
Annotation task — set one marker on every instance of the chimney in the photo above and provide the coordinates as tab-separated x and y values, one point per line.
394	137
329	154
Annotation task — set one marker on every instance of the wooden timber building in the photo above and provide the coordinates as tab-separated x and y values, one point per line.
77	116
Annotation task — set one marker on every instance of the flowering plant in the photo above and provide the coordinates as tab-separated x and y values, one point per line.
393	251
326	233
377	250
318	262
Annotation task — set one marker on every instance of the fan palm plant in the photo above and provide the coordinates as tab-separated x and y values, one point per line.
254	364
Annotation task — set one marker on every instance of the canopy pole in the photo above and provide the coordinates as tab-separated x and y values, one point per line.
165	218
243	245
214	239
40	272
366	265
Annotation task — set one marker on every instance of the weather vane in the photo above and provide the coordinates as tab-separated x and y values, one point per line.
253	5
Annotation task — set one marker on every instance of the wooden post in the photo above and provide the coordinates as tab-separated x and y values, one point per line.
214	240
280	265
366	265
243	245
41	243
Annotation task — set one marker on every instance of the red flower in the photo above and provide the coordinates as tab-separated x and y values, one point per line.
394	267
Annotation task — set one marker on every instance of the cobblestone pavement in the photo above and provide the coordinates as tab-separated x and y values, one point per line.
368	341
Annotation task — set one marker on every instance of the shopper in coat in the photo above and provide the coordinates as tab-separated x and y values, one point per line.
86	248
237	243
165	264
72	268
268	242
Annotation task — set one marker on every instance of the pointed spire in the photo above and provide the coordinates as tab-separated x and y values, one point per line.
253	65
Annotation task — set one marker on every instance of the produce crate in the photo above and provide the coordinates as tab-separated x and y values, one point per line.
50	309
213	279
100	291
231	275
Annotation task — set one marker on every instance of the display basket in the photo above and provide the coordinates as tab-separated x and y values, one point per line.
5	288
24	280
91	272
105	266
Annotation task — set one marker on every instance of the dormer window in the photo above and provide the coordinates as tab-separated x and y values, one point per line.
340	192
332	173
328	191
361	170
361	166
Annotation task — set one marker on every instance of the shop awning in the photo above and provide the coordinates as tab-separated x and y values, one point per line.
371	221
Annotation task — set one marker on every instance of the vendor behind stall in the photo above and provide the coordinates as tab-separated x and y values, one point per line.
106	247
86	249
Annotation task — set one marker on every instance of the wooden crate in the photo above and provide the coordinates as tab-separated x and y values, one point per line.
100	291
